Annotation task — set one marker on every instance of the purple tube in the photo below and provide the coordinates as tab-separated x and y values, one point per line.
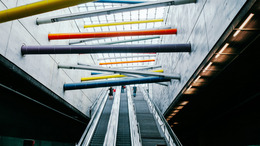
97	84
84	49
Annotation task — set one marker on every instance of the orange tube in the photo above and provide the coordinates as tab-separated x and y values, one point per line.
59	36
121	62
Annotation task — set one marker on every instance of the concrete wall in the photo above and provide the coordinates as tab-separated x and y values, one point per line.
200	24
43	68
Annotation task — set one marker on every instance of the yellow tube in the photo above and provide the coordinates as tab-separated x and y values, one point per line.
102	77
37	8
160	70
123	23
111	76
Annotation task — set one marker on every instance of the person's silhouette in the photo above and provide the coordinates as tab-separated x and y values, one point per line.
134	91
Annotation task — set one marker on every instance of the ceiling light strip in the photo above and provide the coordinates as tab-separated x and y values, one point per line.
223	48
243	24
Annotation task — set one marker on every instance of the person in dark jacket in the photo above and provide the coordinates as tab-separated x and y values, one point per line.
134	90
110	94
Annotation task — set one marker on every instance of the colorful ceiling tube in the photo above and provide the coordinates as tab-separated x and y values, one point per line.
110	76
96	73
96	84
78	49
120	1
123	23
61	36
37	8
122	62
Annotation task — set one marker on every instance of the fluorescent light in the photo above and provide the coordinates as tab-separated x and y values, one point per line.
179	107
170	117
236	33
189	87
197	79
173	114
207	66
222	49
243	25
176	111
184	102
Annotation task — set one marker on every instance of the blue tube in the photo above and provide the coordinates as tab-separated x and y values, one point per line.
95	73
119	1
107	83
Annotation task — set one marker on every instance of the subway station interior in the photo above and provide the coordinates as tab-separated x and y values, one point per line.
129	72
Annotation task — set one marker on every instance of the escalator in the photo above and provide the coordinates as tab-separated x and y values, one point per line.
125	121
150	134
101	129
123	130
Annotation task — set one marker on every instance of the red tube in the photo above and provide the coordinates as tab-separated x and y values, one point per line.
121	62
59	36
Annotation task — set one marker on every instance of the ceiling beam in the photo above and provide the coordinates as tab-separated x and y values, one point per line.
108	11
134	56
169	76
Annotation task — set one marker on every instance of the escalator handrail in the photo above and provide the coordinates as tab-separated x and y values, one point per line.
82	139
169	129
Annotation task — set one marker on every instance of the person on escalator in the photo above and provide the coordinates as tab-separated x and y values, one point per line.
134	90
110	94
123	89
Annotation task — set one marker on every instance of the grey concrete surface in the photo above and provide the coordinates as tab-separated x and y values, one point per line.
15	33
200	24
